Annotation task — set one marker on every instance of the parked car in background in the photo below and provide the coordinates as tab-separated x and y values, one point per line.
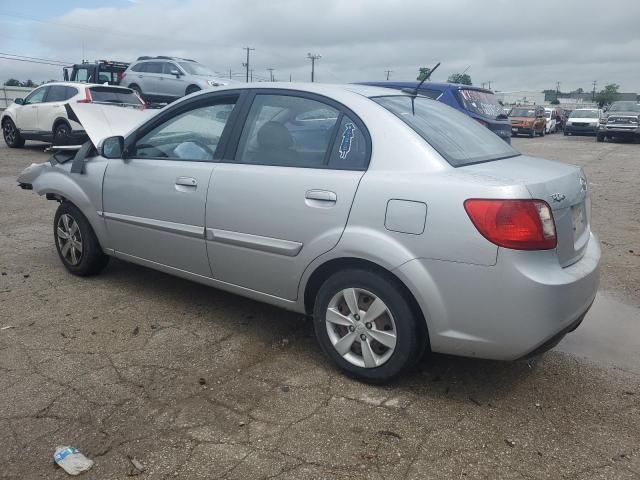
583	121
621	120
528	121
551	120
100	71
165	79
42	115
478	103
410	226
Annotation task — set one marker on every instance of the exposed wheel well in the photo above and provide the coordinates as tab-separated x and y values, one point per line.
192	88
327	269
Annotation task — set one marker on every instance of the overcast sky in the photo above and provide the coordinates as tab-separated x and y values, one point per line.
515	45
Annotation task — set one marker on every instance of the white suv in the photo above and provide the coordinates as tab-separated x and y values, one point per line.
42	115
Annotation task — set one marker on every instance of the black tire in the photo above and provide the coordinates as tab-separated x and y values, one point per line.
599	138
543	132
192	89
12	136
532	133
565	133
411	335
62	134
91	259
136	89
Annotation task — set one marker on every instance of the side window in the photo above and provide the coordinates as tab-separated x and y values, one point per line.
82	75
57	93
192	135
70	92
350	148
287	131
139	67
37	96
167	67
154	67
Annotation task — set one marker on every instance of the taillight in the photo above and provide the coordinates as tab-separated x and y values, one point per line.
516	224
121	76
87	97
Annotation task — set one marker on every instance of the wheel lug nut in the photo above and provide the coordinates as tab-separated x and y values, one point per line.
351	328
368	325
357	317
363	337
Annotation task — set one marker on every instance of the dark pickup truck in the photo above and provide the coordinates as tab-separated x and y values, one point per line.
100	71
622	120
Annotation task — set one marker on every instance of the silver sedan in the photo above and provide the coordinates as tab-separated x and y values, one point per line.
398	223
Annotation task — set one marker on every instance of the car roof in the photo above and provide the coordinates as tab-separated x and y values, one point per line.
426	85
81	84
327	89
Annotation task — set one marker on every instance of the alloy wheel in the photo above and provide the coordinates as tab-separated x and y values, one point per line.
361	327
69	239
9	131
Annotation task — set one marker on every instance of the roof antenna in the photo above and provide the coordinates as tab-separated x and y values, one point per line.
426	77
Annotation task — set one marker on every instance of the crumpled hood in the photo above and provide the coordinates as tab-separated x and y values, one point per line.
103	121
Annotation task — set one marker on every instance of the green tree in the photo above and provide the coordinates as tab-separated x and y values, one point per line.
29	83
555	101
423	73
462	78
608	94
12	82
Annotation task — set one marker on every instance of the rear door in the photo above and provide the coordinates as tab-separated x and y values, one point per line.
174	86
53	106
154	200
282	195
151	78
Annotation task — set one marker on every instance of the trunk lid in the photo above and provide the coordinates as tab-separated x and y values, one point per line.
564	187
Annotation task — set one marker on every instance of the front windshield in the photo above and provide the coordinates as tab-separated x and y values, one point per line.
523	112
625	107
481	103
459	139
584	114
547	114
195	68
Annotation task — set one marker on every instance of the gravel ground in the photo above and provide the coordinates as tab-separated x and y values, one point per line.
196	383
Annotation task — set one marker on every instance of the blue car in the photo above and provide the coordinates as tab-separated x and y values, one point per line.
479	103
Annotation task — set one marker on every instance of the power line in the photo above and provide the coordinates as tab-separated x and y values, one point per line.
35	58
33	61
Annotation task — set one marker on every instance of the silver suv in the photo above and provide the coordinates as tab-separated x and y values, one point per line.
168	78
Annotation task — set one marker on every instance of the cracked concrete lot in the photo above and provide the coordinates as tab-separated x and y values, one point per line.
195	383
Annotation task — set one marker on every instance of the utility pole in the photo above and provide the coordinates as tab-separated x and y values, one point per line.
489	84
593	94
271	74
290	78
557	90
251	75
246	65
229	74
313	57
388	72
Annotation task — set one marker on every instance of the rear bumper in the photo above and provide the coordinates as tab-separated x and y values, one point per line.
507	311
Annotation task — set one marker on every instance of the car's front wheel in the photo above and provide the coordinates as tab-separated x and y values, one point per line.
76	242
600	137
364	322
12	136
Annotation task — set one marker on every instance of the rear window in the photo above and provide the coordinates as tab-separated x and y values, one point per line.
459	139
119	96
523	112
480	103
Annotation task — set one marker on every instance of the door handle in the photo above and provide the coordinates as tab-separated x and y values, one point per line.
321	197
186	181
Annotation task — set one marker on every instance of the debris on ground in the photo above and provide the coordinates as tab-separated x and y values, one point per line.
202	381
510	443
135	331
7	327
137	465
285	388
389	433
473	400
71	460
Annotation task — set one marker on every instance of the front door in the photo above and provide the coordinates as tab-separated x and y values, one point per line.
154	201
27	114
283	196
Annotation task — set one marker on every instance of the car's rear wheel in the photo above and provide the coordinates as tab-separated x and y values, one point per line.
76	242
192	89
61	134
532	133
543	131
12	136
364	322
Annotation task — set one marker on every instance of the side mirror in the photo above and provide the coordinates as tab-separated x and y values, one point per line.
113	147
176	73
19	101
